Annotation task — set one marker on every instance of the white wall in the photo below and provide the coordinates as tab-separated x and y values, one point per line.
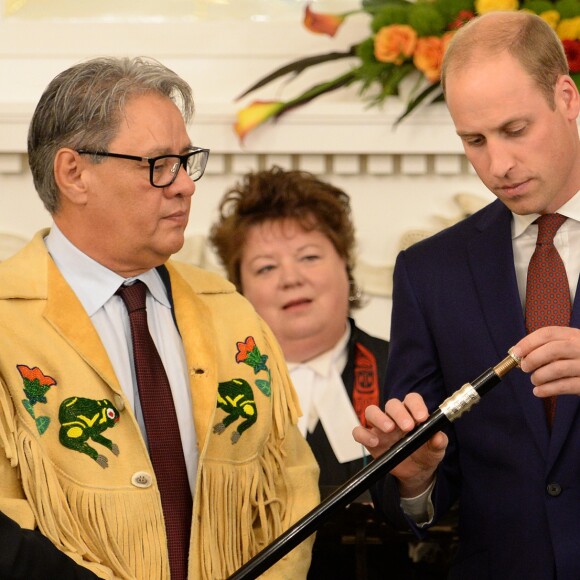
400	180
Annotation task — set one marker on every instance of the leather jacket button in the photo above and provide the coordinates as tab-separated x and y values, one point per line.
119	403
142	479
554	489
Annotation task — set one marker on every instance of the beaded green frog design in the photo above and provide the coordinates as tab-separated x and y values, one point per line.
83	419
236	398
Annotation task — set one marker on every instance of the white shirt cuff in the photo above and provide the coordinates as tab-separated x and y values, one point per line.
420	508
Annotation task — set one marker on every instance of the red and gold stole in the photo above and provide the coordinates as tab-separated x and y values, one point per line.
366	381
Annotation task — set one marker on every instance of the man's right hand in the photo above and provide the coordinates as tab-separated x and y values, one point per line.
417	471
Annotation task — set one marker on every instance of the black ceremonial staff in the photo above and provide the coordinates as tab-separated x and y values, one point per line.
452	408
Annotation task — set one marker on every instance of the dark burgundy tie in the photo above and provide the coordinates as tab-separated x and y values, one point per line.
163	436
548	293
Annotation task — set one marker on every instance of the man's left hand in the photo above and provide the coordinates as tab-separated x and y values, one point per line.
552	357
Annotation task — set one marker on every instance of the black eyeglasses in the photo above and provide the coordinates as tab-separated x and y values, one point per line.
163	169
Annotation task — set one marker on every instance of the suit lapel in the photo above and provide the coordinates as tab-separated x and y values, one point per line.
492	266
200	351
491	262
568	406
67	315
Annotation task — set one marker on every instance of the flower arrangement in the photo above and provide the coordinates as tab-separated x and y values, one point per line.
407	38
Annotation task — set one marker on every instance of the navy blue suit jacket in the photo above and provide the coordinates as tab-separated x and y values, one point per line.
456	312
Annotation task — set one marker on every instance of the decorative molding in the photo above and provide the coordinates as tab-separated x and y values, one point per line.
325	126
12	163
333	138
329	164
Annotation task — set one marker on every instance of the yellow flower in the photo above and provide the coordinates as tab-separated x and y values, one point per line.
255	114
322	23
552	17
569	29
395	43
483	6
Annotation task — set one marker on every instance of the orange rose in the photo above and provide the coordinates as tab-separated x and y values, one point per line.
395	43
429	56
446	39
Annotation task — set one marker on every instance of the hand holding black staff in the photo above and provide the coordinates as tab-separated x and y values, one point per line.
451	409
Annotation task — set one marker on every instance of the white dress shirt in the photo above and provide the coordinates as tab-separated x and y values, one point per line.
95	286
323	397
566	240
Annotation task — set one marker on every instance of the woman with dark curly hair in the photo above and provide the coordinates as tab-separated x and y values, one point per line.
286	240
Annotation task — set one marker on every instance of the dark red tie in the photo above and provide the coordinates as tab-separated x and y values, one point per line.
163	436
548	293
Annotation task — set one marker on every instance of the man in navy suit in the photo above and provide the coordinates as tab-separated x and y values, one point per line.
458	306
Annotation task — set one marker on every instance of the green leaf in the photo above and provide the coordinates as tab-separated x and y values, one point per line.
297	66
28	406
317	90
426	20
373	5
264	386
413	103
42	424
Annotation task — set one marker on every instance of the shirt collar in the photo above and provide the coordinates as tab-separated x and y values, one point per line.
325	362
571	209
93	283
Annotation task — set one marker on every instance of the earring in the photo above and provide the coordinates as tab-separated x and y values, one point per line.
355	293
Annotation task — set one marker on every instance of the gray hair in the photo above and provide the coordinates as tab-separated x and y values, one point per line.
82	108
